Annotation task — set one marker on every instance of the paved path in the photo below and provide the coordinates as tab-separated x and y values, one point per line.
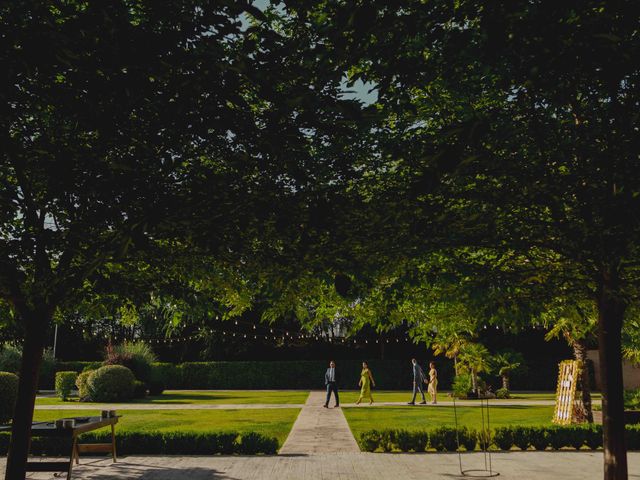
319	430
168	406
345	466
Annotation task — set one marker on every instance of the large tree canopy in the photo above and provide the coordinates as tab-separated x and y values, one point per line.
142	137
512	126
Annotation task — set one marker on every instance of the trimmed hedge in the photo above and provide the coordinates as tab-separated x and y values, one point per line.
389	374
8	395
165	443
443	439
65	382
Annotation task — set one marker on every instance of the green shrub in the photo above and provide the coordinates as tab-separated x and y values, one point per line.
387	440
111	383
443	439
485	438
139	389
521	437
633	436
594	436
158	443
82	382
418	441
461	385
156	387
503	393
251	443
8	395
279	374
10	358
468	438
576	436
559	437
136	356
539	438
369	440
226	443
503	438
156	383
47	370
631	399
65	381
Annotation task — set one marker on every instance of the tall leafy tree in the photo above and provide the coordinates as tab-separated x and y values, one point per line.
512	126
135	134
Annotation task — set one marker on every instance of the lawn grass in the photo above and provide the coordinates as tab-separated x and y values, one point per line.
426	418
211	397
271	422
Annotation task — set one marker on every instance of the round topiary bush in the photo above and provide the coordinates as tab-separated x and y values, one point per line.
82	382
111	383
8	395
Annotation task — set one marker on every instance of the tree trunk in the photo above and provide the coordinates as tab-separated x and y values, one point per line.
505	382
580	353
455	364
474	382
611	309
27	387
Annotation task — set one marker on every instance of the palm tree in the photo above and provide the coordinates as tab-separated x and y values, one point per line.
505	363
450	347
474	359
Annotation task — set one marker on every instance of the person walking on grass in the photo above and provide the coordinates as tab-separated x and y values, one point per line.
418	379
365	384
433	382
331	382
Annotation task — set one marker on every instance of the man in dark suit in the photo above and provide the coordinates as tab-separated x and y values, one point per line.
418	379
331	382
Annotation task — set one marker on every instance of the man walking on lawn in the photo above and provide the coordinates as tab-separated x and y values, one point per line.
331	382
418	380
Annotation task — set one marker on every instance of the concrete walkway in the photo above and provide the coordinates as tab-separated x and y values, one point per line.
344	466
319	430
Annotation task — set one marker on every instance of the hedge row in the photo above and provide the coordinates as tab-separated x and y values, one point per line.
167	443
503	438
392	374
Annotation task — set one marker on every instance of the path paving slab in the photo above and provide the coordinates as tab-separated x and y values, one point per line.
319	430
351	466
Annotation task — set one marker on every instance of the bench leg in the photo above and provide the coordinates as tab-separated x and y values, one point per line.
113	443
74	456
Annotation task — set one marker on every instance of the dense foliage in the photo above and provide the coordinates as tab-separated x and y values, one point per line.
504	438
161	443
8	395
136	356
111	383
65	382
